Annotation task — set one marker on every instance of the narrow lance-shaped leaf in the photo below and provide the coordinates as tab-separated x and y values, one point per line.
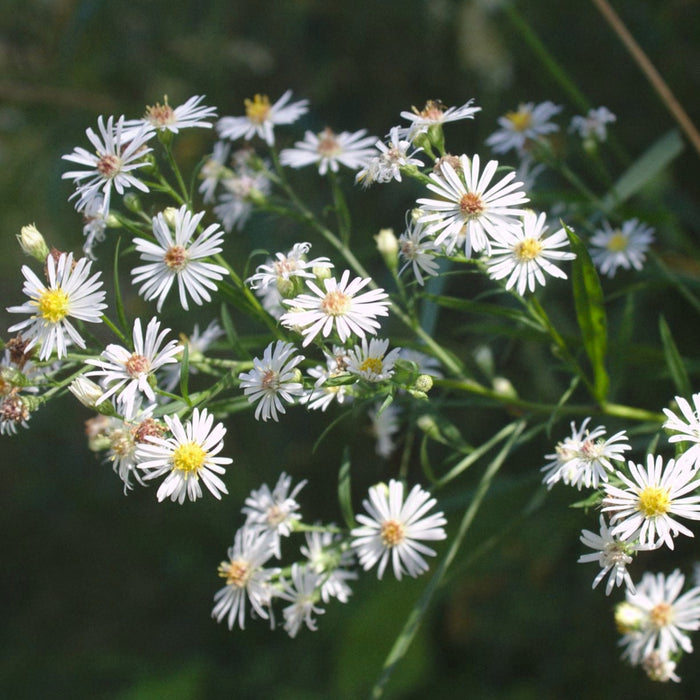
590	313
644	169
677	369
344	494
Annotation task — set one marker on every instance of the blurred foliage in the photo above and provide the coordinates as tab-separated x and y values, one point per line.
107	596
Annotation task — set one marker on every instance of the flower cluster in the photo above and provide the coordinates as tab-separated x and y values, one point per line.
326	334
393	528
642	509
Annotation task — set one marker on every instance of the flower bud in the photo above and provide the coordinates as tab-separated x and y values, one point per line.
322	273
86	391
132	202
170	216
388	246
424	383
33	243
628	618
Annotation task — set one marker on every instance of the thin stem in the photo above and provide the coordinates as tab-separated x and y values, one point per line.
652	75
414	619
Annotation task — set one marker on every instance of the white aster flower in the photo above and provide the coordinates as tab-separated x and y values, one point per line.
386	165
176	256
273	378
338	306
593	125
585	458
186	457
328	559
162	117
94	225
524	254
393	528
621	247
468	205
528	123
371	361
126	374
385	424
246	578
261	117
214	170
71	293
303	592
417	249
651	497
286	266
687	430
330	150
117	154
274	512
323	394
665	617
613	554
434	114
124	437
241	189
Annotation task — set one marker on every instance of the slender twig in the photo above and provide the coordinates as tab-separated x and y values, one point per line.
652	75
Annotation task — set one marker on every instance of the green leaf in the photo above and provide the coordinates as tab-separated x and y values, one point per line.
644	169
590	312
231	334
477	307
344	493
185	372
679	375
118	297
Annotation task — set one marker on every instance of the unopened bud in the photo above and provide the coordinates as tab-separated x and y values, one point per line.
86	391
424	383
503	387
170	214
321	273
388	246
132	202
33	243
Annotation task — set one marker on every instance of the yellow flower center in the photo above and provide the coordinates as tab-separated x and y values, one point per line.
520	120
189	458
392	533
257	109
160	115
336	303
372	364
661	615
528	249
235	572
618	242
471	205
653	501
176	258
54	305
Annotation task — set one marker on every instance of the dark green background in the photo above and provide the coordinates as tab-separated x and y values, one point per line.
107	596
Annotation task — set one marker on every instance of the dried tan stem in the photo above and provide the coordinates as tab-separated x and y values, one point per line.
651	73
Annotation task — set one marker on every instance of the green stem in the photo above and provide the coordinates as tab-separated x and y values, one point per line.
414	619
